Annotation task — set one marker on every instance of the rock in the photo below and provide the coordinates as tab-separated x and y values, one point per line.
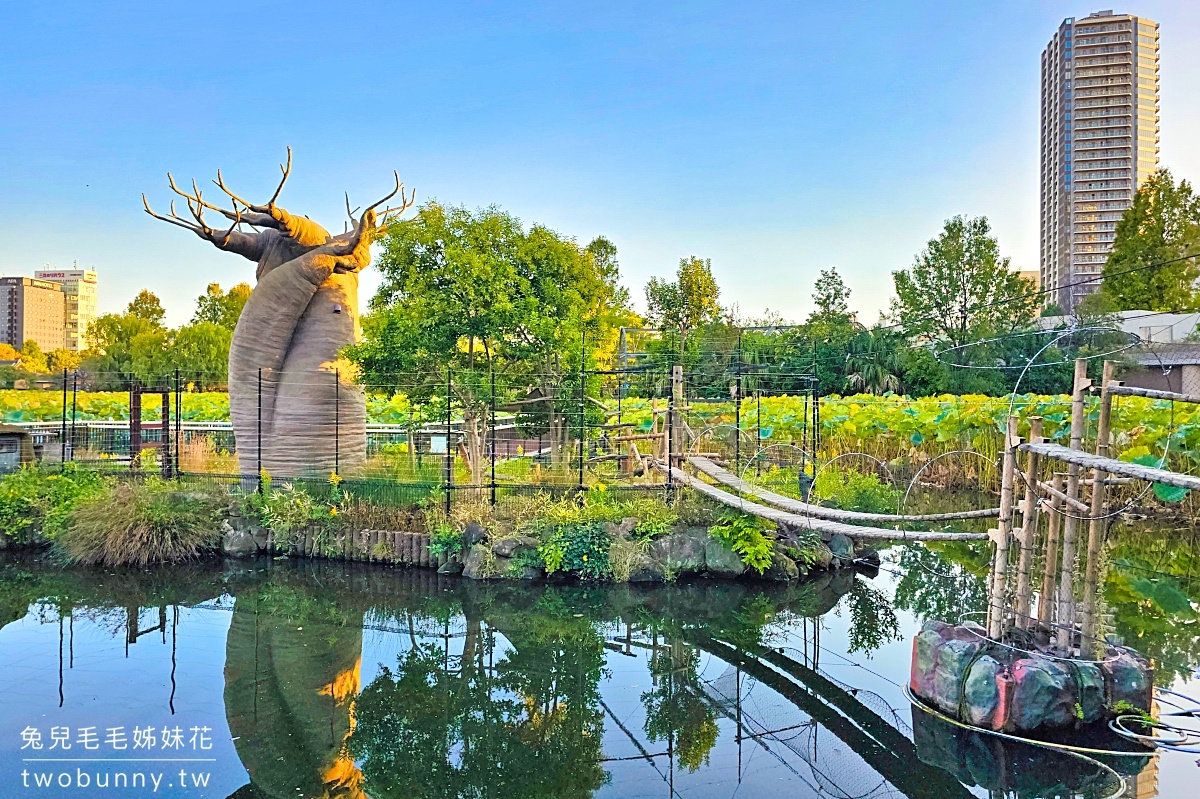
1129	677
782	569
473	534
474	563
450	567
865	556
530	572
981	692
627	525
679	554
510	547
238	544
720	559
648	573
842	548
824	556
1043	695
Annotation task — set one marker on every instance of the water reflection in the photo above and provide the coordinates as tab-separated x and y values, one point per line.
337	680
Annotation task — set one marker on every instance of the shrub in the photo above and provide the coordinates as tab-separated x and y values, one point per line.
139	523
287	509
35	503
745	535
851	490
445	539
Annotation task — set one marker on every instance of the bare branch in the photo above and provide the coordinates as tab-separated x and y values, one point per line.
173	218
286	171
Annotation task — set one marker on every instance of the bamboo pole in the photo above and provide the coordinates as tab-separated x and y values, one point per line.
1066	588
1029	519
1057	493
1050	570
1096	524
997	605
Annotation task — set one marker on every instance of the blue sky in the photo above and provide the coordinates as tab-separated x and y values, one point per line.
776	139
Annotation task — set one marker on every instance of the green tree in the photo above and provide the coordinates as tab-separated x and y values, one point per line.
33	359
958	291
474	292
109	358
221	307
1163	224
872	363
62	358
830	295
687	302
146	305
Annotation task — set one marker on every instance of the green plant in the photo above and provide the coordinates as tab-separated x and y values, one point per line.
855	491
288	508
746	536
152	521
624	556
580	547
35	503
445	539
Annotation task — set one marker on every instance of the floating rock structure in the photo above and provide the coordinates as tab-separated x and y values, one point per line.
957	670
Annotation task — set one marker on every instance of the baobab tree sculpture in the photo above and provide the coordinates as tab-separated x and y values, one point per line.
290	390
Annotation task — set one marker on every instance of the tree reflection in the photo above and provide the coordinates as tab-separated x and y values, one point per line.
942	584
524	725
675	712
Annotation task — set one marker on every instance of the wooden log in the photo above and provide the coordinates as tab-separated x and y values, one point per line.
1061	496
1046	598
824	527
1025	539
1119	390
1113	466
1096	524
998	588
1066	588
638	437
726	478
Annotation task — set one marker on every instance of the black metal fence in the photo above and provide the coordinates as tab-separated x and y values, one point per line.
472	435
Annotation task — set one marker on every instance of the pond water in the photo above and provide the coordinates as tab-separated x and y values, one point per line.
281	678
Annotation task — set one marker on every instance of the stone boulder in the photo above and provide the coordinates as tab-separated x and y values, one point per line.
720	559
842	548
450	567
683	553
475	562
473	534
511	547
782	569
237	543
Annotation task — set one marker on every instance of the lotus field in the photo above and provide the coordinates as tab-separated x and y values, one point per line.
886	427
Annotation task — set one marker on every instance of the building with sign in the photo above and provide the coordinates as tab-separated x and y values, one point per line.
80	291
31	310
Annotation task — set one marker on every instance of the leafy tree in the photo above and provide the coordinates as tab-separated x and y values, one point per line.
830	295
873	363
61	359
474	292
8	352
146	305
33	359
113	340
687	302
1163	224
960	289
220	307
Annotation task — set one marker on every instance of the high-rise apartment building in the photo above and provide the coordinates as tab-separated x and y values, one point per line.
80	288
31	310
1099	142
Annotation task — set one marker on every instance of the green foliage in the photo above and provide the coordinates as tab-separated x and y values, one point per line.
746	536
580	548
147	306
1162	224
36	503
221	308
873	620
287	509
686	303
445	539
960	289
855	491
138	523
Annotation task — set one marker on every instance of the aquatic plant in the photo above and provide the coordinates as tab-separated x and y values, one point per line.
136	523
